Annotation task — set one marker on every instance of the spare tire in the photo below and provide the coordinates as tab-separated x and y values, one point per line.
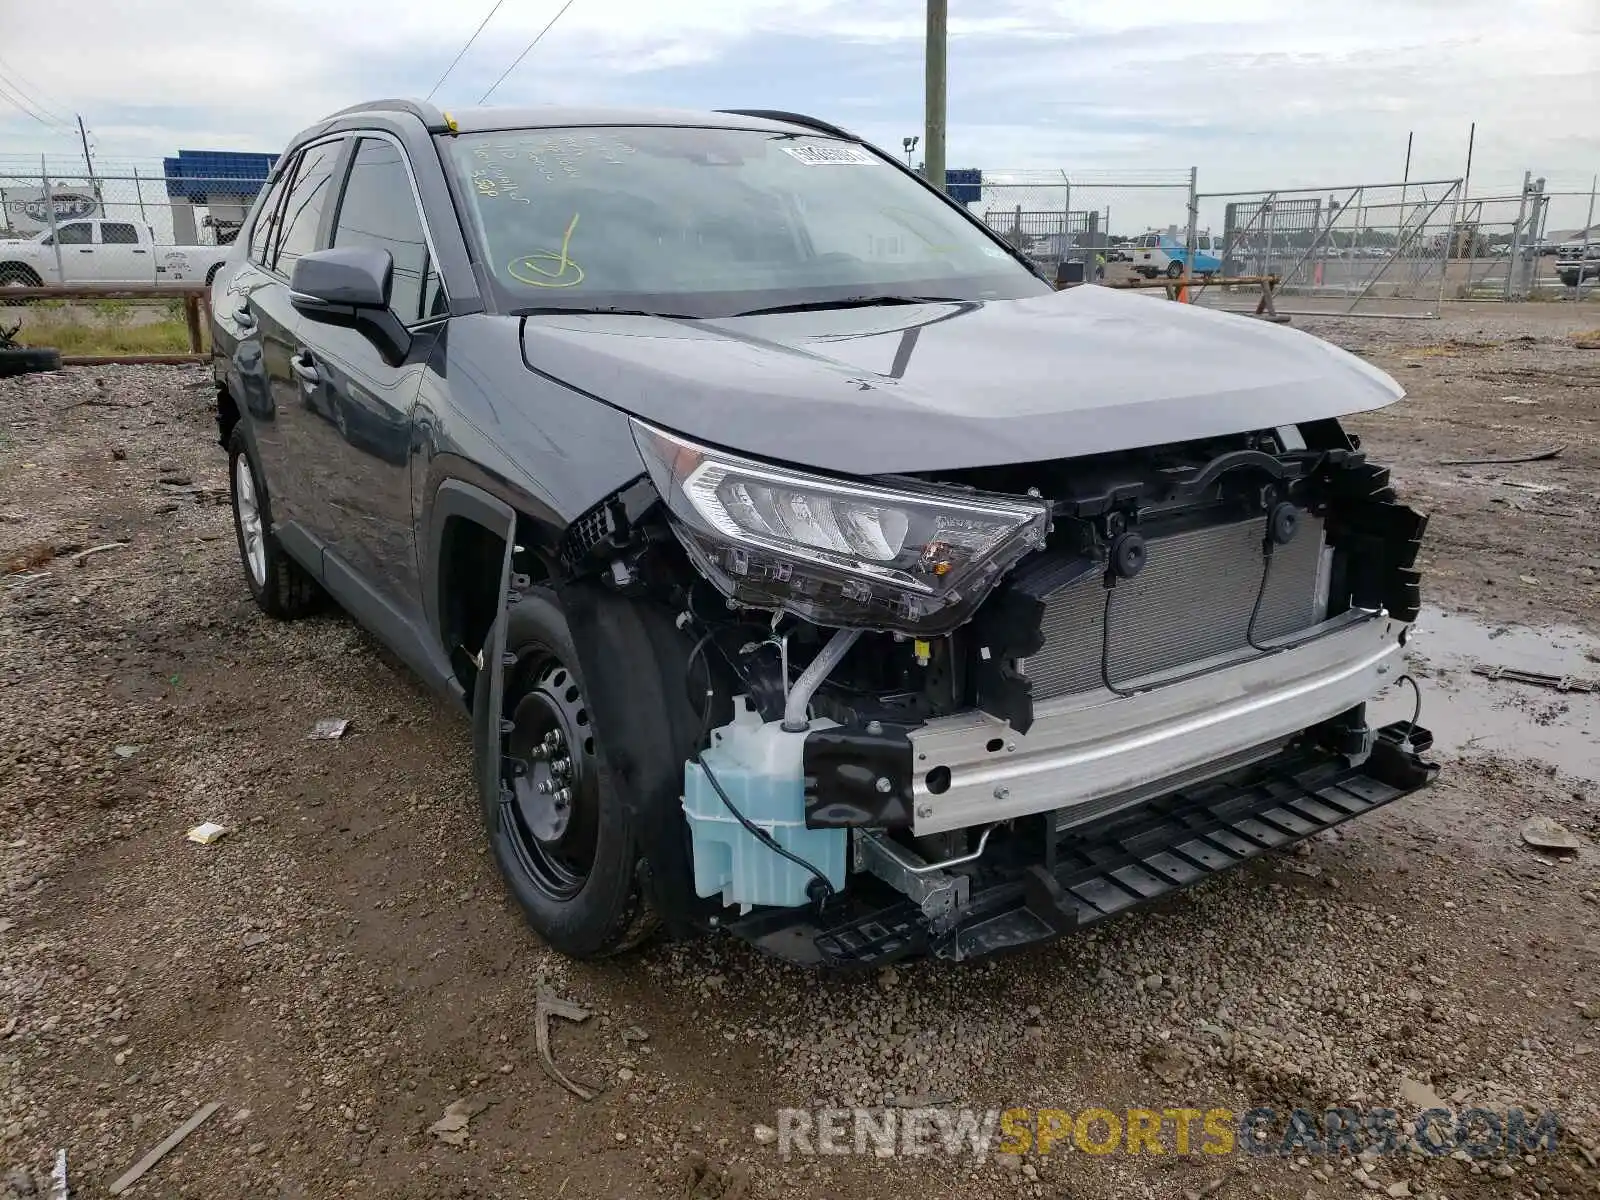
26	360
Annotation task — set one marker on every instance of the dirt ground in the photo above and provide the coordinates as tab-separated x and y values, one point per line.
344	964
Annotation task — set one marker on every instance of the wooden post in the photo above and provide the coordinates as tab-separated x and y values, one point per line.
191	312
205	315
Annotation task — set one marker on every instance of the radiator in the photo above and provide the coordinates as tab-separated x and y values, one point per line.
1191	602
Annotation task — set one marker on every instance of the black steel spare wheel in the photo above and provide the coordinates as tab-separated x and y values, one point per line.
558	828
549	769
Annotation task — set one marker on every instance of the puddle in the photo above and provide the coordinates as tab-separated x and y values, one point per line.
1468	713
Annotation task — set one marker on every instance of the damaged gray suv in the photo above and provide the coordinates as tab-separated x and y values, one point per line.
810	568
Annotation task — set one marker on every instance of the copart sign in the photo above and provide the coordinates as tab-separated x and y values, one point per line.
26	209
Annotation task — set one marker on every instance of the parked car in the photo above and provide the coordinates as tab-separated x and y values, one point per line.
1578	263
729	477
1155	254
95	251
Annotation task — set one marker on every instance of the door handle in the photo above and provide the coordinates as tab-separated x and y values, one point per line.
141	252
244	316
303	370
85	250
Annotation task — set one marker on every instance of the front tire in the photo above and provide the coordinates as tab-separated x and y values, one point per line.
558	830
19	275
281	587
1174	270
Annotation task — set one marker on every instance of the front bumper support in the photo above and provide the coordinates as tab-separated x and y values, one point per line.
1084	753
1141	856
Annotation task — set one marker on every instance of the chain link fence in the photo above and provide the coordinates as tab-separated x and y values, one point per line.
125	223
1080	227
1358	249
1401	248
1510	248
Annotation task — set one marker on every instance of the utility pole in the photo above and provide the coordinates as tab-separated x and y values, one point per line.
1405	179
87	161
933	132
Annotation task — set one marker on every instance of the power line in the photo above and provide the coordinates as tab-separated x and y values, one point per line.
464	49
23	106
16	82
524	54
20	100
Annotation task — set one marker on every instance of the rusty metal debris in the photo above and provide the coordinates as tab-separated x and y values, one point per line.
551	1005
1541	456
1561	683
134	1173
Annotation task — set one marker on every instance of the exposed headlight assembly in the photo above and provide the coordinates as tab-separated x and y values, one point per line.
837	552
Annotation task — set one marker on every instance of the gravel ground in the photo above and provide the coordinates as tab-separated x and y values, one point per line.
343	965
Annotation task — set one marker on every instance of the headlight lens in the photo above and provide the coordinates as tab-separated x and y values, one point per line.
915	559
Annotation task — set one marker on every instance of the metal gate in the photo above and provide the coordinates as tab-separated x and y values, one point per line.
1362	249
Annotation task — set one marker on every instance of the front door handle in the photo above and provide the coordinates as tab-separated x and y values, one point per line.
141	252
85	250
303	370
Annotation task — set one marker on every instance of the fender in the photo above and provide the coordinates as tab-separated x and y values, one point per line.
634	661
459	489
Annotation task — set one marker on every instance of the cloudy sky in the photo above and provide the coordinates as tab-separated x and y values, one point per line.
1256	93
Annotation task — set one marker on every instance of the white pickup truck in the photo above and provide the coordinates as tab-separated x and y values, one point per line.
96	251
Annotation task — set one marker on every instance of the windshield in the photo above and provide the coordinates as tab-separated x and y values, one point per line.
714	222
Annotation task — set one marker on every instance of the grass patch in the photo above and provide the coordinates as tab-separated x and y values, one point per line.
115	335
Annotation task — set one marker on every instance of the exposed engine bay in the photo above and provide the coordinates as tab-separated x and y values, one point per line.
1053	691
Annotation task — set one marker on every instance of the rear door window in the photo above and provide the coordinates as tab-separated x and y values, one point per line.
118	233
261	233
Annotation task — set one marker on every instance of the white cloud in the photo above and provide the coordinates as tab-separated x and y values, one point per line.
1255	92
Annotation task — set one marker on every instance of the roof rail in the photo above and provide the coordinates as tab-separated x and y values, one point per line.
430	116
773	114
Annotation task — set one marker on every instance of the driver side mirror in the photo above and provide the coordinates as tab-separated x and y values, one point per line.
350	286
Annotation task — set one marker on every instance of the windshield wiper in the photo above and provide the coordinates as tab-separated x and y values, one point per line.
849	302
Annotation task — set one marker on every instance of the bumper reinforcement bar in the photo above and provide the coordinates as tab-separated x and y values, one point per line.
1176	842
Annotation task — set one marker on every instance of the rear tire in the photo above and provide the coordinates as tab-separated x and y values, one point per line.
281	587
211	275
27	360
573	869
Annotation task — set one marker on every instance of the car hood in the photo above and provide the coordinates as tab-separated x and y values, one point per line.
926	387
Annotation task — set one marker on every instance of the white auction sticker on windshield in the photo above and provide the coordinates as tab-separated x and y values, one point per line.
830	156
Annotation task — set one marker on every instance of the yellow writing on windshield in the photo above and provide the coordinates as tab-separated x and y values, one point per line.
547	269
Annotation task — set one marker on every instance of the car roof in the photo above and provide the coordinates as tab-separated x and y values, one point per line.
477	120
490	118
